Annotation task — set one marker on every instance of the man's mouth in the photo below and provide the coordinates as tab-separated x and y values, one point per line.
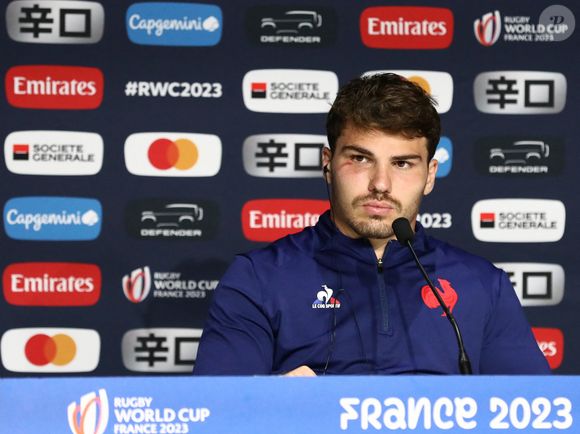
375	207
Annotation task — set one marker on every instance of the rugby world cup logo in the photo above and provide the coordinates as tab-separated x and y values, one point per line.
488	28
137	285
91	415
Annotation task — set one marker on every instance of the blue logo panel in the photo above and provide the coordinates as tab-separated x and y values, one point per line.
177	24
444	154
52	218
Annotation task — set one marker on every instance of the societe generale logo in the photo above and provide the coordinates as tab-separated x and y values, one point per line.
90	415
173	154
54	87
50	350
551	342
51	284
518	220
53	153
406	27
269	219
289	90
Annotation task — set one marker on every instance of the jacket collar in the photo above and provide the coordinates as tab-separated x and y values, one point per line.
337	251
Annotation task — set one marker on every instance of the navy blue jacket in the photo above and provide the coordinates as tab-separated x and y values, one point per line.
321	299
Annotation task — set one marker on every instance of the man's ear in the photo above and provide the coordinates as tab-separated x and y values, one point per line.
431	174
326	157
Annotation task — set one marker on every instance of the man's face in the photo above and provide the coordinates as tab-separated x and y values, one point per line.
375	178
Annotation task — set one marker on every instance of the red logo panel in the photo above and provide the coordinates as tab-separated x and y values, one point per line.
54	87
406	27
51	284
551	342
269	219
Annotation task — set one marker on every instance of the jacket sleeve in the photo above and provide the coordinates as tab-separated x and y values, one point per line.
509	346
237	338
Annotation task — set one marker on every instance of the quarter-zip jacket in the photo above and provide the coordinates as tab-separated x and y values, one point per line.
321	299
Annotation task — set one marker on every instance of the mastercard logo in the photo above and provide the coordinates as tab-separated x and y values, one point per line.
421	82
181	154
42	349
50	349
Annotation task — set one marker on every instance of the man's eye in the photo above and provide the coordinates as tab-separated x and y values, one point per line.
359	158
402	164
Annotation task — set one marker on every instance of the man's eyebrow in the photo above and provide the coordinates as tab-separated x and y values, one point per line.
356	148
406	157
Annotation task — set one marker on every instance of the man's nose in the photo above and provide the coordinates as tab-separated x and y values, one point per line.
380	179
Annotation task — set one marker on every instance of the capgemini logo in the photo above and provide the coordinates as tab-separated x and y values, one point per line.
488	28
91	415
137	285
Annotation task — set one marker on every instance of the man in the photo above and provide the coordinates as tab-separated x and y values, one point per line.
344	297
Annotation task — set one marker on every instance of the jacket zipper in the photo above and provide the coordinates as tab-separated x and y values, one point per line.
383	296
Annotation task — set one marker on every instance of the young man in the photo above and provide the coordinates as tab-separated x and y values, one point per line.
344	297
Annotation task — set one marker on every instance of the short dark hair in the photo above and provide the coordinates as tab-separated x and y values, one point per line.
385	102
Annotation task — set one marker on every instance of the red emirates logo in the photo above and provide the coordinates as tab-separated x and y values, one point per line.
52	284
551	342
269	219
446	292
410	27
54	87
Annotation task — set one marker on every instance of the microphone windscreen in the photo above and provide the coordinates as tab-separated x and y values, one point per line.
403	231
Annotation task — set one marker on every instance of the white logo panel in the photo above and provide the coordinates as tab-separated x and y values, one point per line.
438	84
53	153
284	155
289	90
160	349
55	21
520	92
518	220
536	284
173	154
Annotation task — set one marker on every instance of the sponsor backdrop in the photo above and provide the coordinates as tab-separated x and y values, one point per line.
146	143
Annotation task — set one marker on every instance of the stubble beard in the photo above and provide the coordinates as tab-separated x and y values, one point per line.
375	226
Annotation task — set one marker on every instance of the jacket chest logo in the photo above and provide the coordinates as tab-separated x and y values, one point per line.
325	300
448	294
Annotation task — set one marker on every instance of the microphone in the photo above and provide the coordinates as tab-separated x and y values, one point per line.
404	234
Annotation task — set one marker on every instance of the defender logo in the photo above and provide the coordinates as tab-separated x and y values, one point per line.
276	25
520	156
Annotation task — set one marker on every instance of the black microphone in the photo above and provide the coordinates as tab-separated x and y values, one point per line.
405	235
